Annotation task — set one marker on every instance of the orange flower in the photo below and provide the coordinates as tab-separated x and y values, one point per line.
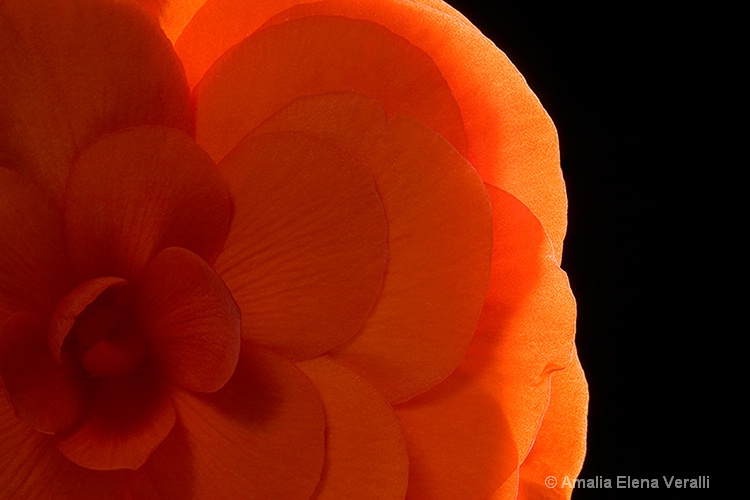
307	250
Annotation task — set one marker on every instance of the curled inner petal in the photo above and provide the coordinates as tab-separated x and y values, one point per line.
189	319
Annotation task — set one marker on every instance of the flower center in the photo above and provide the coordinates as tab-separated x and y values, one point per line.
107	340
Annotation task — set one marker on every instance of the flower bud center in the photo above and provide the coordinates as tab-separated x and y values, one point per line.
108	343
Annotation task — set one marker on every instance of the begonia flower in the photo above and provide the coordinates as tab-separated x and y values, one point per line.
278	249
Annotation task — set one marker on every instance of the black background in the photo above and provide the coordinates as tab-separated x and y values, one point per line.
646	109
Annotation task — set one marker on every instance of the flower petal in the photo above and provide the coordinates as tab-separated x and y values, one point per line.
32	467
190	320
49	395
527	327
133	193
72	305
439	233
35	273
261	436
53	54
560	445
511	140
306	252
365	450
129	417
339	55
501	388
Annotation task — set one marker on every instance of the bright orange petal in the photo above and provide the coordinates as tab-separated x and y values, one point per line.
511	140
129	417
35	273
190	320
49	395
339	55
259	437
439	240
560	445
133	193
53	54
365	450
501	389
305	255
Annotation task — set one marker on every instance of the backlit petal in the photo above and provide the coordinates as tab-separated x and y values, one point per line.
129	417
560	445
339	55
439	240
260	437
511	140
501	389
47	394
365	450
74	70
34	274
305	255
527	326
133	193
190	320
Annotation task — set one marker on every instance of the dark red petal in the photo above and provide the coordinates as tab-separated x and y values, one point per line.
47	394
191	322
439	242
366	454
306	252
133	193
72	305
32	467
339	55
261	436
32	250
129	417
74	70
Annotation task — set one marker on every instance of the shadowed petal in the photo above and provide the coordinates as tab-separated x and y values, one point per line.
190	320
439	241
53	54
306	252
259	437
133	193
129	417
32	467
47	394
35	273
365	449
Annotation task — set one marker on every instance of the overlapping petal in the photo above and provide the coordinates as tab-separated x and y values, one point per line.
439	232
560	444
53	54
190	322
31	466
136	192
307	248
259	437
32	248
128	418
48	394
511	140
340	55
502	386
366	454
